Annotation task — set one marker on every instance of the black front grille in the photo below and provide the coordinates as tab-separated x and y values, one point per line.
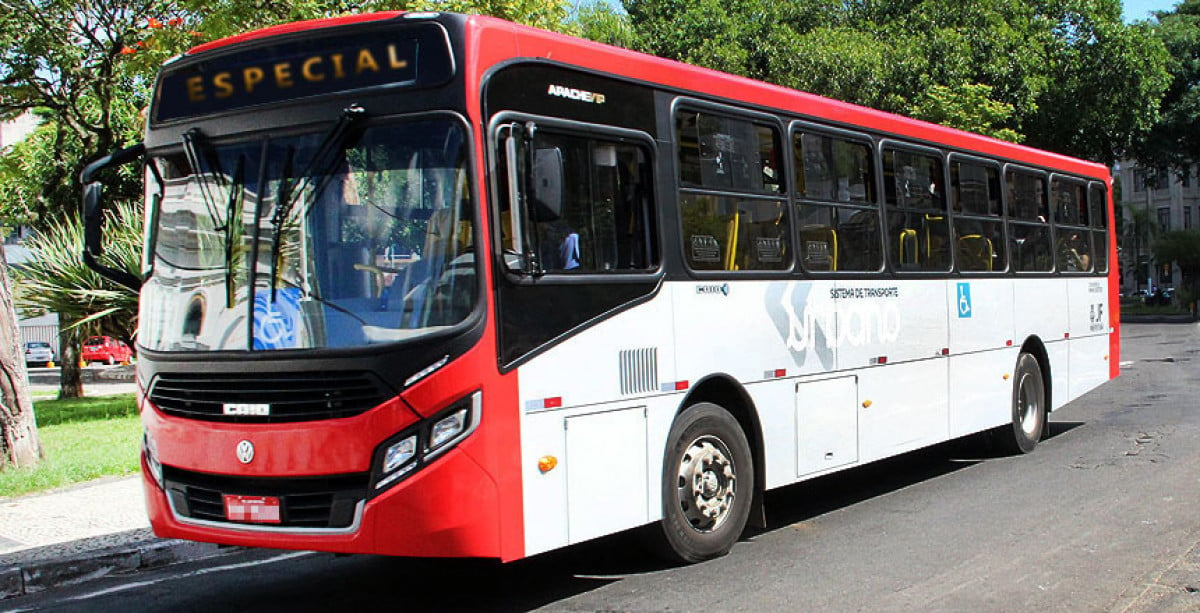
305	396
304	502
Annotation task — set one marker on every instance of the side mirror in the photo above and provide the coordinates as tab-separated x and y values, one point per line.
93	215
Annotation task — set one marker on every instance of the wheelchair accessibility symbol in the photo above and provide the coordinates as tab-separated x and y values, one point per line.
964	299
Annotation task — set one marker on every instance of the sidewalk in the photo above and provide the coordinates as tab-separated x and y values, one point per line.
80	534
83	532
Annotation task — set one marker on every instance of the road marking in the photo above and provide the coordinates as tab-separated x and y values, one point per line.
195	573
1126	364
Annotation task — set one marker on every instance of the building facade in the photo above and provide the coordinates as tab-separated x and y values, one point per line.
1171	200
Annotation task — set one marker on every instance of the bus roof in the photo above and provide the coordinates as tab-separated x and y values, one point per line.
501	41
533	42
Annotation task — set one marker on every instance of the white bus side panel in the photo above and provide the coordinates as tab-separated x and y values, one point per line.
1089	347
899	321
1038	304
982	352
981	386
609	380
902	407
981	314
751	329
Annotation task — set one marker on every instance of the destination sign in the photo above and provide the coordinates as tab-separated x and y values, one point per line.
397	57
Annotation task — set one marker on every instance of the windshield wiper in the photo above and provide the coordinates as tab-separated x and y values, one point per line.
327	154
233	216
200	155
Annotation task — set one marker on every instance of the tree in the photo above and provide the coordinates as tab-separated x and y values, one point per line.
19	443
1182	247
1174	140
1008	68
1140	228
56	280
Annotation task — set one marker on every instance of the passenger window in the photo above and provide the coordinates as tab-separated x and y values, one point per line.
732	210
1098	203
1070	203
585	206
1073	242
1027	196
833	169
720	152
838	214
1028	226
978	228
727	233
918	228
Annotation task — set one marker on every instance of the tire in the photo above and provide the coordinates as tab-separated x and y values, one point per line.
707	486
1028	407
110	360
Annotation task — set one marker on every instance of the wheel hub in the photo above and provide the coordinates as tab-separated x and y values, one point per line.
707	483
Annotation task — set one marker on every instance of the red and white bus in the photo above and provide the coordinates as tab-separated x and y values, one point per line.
440	285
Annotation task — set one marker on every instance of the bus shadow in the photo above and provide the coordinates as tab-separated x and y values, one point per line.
549	578
809	499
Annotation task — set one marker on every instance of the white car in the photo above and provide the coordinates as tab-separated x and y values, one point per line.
38	353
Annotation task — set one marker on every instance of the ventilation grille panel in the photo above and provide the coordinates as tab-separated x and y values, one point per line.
639	370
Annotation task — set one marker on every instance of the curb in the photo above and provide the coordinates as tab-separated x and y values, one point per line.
38	573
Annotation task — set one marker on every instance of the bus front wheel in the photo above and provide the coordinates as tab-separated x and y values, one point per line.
708	481
1028	406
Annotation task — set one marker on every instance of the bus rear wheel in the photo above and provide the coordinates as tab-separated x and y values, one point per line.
708	481
1028	406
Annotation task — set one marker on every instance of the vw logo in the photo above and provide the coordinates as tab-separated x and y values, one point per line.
245	452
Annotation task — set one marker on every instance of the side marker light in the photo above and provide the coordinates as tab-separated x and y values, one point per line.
866	404
547	463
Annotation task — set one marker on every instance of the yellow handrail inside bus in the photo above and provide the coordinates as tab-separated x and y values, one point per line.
908	236
976	248
731	231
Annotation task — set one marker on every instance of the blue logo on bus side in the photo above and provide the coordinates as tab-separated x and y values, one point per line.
964	299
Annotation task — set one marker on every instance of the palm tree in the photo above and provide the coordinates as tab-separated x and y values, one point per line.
56	280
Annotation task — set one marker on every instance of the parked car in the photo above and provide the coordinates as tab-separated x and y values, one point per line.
38	353
105	349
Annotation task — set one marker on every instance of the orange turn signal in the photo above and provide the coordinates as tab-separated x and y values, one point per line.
1006	376
866	404
547	463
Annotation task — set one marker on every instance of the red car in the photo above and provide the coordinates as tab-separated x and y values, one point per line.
106	349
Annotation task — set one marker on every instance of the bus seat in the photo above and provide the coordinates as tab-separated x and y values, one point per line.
820	247
975	252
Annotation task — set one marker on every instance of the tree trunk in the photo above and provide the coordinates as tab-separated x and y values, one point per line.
19	443
70	380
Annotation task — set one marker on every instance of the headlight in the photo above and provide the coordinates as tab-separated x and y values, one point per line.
399	454
417	445
447	428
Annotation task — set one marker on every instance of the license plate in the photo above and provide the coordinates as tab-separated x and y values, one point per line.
254	509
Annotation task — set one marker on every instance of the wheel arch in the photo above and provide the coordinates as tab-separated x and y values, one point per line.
1034	346
725	391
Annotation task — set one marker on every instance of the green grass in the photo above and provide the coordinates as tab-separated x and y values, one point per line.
83	439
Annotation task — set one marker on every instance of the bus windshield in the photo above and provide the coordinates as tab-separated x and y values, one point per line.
321	240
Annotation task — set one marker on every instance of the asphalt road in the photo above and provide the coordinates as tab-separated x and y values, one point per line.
1101	517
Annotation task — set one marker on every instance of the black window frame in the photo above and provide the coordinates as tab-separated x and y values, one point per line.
888	209
496	169
875	204
784	197
1099	225
1011	219
1056	179
1000	218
